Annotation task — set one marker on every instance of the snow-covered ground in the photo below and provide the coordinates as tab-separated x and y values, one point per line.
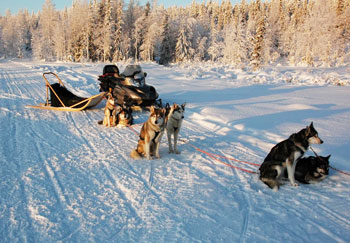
66	179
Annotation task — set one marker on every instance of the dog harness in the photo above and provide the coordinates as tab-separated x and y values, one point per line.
178	120
155	137
111	110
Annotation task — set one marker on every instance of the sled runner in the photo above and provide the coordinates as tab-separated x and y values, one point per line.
58	97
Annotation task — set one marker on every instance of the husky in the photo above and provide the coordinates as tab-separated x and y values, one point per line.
175	117
150	135
311	169
124	116
285	155
110	112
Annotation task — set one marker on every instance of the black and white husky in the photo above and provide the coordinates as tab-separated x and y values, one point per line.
174	122
285	155
311	169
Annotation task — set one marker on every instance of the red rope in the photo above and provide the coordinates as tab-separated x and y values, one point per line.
229	165
132	129
236	160
340	171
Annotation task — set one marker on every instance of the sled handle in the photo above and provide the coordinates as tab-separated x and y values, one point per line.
47	82
48	85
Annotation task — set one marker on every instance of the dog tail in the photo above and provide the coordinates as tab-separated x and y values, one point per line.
135	155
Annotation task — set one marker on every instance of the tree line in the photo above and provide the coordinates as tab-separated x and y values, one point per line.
308	32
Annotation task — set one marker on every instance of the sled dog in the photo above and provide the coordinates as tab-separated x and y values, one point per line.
124	116
150	135
175	117
285	155
311	169
110	112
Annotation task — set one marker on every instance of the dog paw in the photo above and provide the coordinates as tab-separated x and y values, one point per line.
178	152
171	151
275	188
295	184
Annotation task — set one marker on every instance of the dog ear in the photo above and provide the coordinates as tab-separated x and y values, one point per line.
151	109
328	157
163	111
308	128
183	106
311	125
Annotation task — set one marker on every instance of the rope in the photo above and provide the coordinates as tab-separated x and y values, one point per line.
340	171
214	156
236	160
133	130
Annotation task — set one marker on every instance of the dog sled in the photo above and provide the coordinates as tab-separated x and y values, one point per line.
58	97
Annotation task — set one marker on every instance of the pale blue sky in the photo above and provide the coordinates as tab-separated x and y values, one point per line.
36	5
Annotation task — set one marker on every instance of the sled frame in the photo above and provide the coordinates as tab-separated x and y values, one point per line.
90	102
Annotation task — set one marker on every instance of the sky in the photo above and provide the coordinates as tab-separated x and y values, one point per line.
36	5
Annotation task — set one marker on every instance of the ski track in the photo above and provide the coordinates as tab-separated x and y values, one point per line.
67	179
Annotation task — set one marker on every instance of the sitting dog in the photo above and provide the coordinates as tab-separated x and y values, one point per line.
175	117
285	155
311	169
151	134
124	116
110	112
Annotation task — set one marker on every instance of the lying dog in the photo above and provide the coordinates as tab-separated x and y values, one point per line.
110	112
311	169
124	116
151	134
175	117
285	155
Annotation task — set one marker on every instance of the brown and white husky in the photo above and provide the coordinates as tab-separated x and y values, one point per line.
150	136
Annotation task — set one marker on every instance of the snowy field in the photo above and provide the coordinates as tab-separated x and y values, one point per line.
66	179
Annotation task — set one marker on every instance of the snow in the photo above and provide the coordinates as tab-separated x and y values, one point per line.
64	178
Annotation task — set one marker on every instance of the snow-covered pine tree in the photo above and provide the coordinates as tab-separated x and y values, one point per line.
166	52
23	40
108	32
257	54
2	52
141	26
62	38
130	16
9	35
118	35
43	38
184	50
150	47
242	55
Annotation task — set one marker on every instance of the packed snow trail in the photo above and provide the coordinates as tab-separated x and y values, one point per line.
66	178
